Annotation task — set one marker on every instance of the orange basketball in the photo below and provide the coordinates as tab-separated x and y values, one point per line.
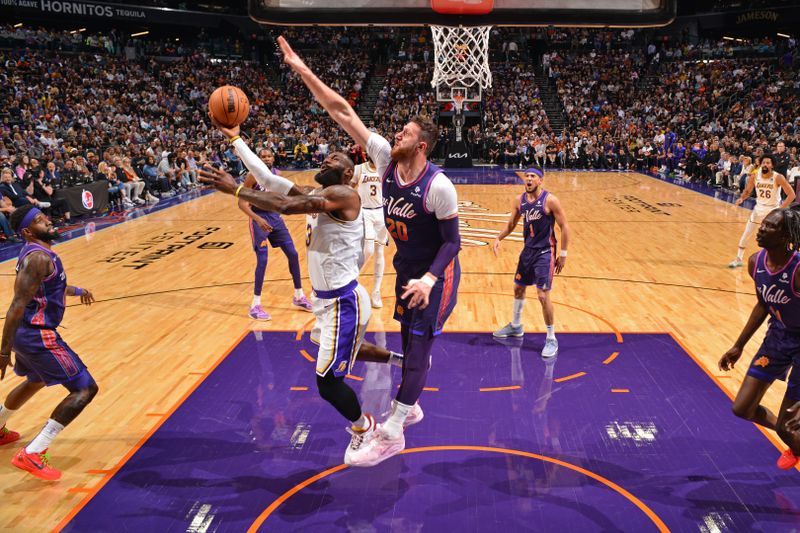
229	106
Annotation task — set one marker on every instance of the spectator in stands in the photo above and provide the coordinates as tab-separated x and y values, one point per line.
13	190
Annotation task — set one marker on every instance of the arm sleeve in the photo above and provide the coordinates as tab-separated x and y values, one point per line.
264	177
442	199
450	247
380	151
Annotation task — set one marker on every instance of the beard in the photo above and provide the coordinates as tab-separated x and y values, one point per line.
49	236
399	153
329	176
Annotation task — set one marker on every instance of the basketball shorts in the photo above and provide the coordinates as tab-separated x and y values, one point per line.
774	359
277	237
43	356
375	226
441	302
759	212
536	267
342	318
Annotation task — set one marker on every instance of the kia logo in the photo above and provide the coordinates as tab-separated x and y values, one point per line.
458	156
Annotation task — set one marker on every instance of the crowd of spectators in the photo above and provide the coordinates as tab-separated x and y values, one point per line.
78	107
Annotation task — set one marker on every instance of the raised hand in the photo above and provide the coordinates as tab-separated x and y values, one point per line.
220	180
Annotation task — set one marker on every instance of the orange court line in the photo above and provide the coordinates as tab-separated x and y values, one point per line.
308	357
431	389
730	395
357	378
303	328
81	504
611	358
620	390
298	388
494	389
662	527
572	376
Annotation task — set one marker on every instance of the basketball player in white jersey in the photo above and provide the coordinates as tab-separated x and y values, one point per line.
768	185
335	235
367	181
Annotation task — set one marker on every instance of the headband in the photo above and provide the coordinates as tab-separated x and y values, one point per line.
28	219
539	172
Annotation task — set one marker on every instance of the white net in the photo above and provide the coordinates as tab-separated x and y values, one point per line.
461	56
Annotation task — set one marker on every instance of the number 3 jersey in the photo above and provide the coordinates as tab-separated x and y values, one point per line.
369	186
335	249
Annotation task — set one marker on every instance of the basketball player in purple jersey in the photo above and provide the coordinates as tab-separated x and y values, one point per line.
267	228
540	212
421	210
42	357
775	269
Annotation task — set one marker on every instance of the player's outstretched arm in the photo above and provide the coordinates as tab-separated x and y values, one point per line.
336	106
337	198
35	268
513	220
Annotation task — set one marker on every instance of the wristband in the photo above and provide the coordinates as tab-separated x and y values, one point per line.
427	280
563	253
234	139
238	190
78	291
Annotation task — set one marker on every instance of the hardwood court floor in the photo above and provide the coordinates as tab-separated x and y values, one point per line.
645	256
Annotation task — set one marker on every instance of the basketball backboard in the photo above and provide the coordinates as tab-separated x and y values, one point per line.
500	12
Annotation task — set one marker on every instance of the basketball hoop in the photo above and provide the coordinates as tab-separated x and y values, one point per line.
461	56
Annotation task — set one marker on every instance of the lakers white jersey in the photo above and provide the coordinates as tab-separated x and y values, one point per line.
369	186
768	192
335	250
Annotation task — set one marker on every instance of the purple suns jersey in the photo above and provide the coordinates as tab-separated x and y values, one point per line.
271	217
415	229
46	309
539	227
775	290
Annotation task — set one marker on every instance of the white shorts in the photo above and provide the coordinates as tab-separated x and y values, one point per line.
375	227
341	323
760	211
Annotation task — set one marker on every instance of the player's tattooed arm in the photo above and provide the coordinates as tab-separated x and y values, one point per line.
35	268
334	199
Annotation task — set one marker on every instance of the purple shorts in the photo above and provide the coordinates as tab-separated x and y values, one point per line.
277	237
441	301
536	267
774	359
43	356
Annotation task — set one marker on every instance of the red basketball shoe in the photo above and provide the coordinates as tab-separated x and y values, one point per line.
7	436
787	460
37	464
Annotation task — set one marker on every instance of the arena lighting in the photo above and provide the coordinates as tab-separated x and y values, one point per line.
784	35
728	39
73	32
139	34
18	25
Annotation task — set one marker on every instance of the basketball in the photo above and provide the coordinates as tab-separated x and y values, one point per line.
229	106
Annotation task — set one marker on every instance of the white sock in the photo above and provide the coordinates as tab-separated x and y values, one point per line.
379	266
517	320
256	300
5	414
298	293
396	359
363	423
45	437
393	427
551	332
740	254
